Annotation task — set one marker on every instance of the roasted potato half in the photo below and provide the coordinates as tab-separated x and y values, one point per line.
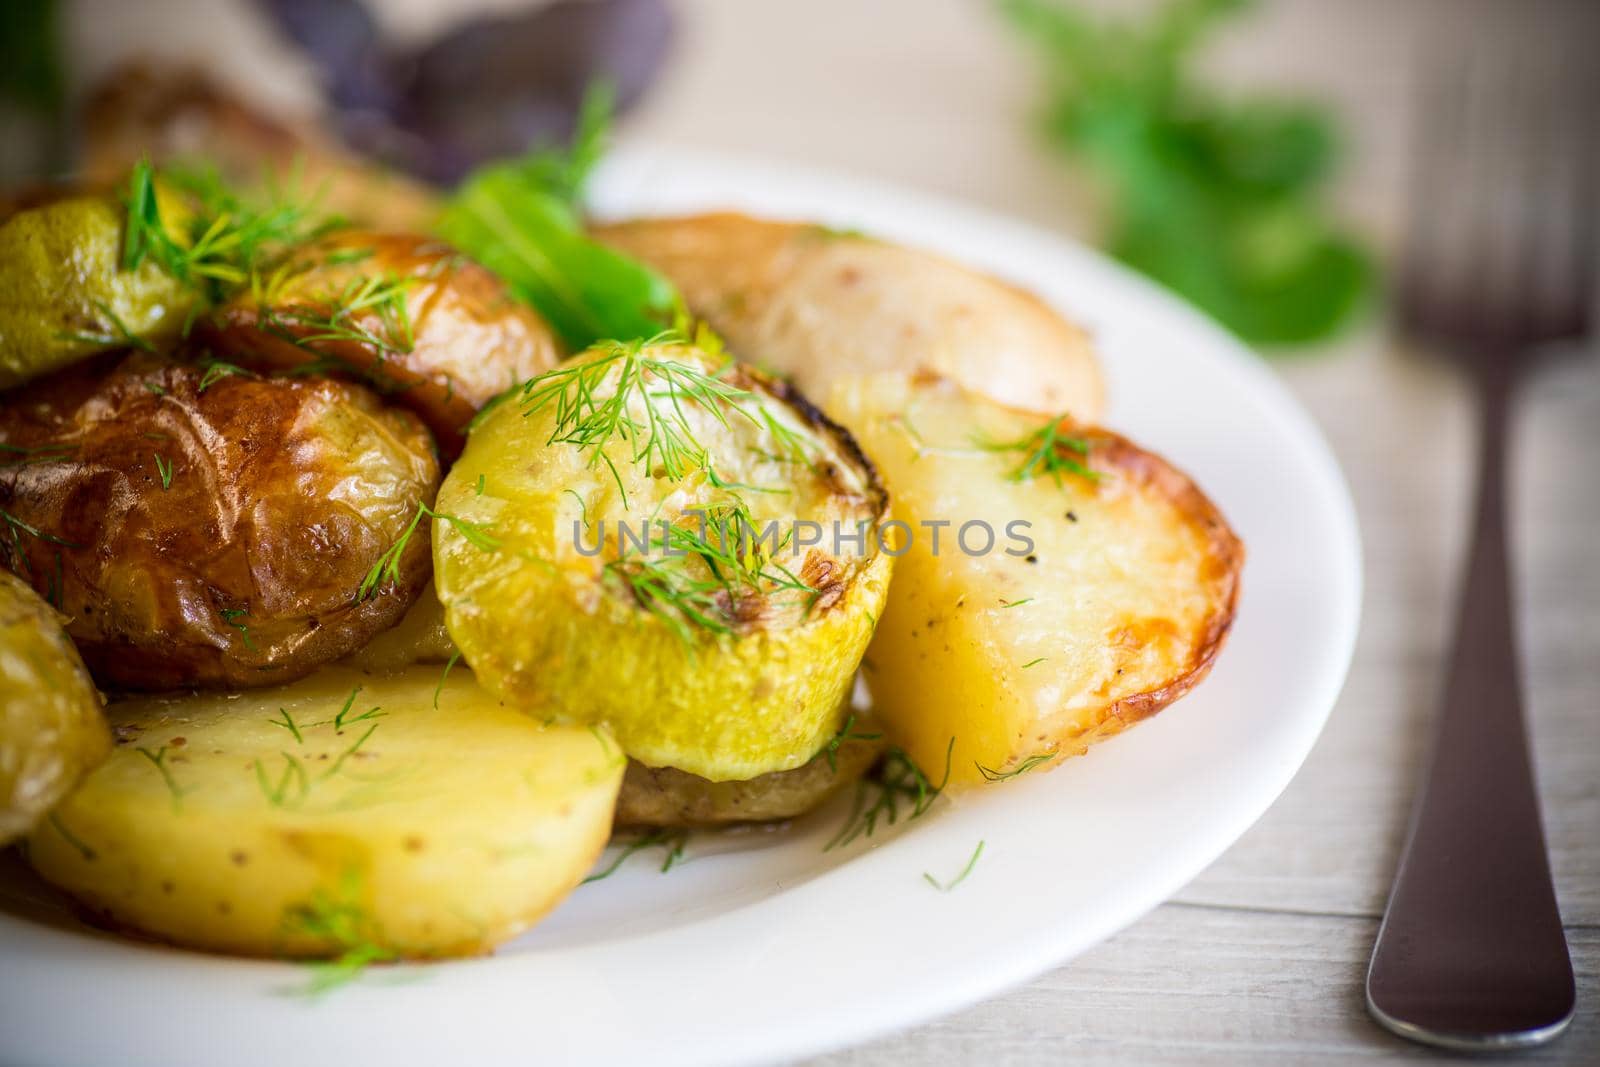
1101	592
815	305
624	546
201	527
64	294
426	327
343	814
51	726
665	797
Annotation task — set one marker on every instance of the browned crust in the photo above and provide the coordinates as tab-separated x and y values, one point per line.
1226	551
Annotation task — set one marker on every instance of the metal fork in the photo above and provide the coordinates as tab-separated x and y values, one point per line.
1499	265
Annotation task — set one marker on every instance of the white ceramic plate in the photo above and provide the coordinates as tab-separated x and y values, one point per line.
763	946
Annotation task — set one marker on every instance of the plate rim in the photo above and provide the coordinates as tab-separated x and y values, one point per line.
635	161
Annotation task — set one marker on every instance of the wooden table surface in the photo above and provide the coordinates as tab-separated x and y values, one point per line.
1260	959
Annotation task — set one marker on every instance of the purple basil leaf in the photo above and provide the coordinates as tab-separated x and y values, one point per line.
497	86
343	41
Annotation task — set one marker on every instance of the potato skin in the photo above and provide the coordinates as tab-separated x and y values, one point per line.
420	637
462	340
409	830
243	569
52	730
667	798
1027	656
817	306
63	292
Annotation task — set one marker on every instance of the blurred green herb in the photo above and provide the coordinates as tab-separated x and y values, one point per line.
521	220
30	56
1217	199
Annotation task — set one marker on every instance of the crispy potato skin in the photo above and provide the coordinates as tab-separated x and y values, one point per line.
243	569
411	830
665	797
462	340
817	306
63	292
166	115
1120	607
51	728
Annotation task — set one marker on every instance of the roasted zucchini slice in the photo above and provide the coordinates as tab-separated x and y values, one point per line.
645	538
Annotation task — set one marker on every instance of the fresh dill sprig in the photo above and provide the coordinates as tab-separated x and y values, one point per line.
897	780
672	841
231	616
217	240
846	734
118	334
1033	663
164	469
337	918
387	567
646	407
288	723
158	760
455	657
1006	605
71	838
370	310
944	887
690	577
15	455
216	370
14	551
992	775
293	776
1047	450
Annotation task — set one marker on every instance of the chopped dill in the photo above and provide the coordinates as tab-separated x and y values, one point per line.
218	240
288	723
481	479
387	568
646	407
164	469
344	717
897	780
117	334
71	838
293	777
1008	604
14	551
992	775
672	841
846	734
216	370
158	760
344	316
455	657
338	761
231	616
734	565
962	877
337	919
1033	663
1047	451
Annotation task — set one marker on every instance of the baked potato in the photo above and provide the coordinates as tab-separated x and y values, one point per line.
665	797
644	566
420	637
51	726
176	115
423	325
816	306
203	527
64	294
1110	600
343	814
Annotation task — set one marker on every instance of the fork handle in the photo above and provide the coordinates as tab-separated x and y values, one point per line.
1471	954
